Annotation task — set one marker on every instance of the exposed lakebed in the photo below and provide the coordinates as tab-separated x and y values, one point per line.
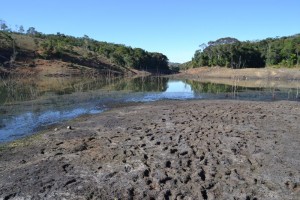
27	106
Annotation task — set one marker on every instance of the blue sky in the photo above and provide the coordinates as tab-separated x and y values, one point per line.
173	27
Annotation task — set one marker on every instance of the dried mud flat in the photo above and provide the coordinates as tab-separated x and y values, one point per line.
162	150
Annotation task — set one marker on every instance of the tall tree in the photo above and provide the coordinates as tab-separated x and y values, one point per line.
3	25
21	29
31	31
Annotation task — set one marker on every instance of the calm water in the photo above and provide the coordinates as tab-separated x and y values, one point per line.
27	106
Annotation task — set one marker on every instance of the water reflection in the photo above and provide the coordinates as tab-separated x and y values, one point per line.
175	89
238	91
142	84
20	125
27	105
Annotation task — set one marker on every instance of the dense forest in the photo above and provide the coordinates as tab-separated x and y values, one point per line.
17	44
232	53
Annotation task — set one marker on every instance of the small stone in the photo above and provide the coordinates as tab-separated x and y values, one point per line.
69	127
56	129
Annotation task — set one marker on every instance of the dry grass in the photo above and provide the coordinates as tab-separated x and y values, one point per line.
27	42
248	73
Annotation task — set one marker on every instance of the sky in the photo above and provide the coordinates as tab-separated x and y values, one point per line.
175	28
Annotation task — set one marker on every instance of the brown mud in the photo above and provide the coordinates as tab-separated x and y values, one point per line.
162	150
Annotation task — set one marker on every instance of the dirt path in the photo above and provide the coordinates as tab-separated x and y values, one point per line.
162	150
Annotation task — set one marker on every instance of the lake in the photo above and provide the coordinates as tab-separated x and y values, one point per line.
30	105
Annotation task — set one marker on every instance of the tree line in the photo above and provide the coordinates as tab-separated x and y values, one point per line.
232	53
59	45
119	54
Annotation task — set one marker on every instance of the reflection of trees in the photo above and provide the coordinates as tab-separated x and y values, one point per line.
144	84
199	87
13	90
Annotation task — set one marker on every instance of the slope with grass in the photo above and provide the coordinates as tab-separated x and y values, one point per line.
62	55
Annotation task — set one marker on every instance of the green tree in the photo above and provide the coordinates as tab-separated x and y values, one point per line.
3	25
31	31
21	29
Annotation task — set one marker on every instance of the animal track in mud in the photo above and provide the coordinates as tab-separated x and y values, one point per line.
172	151
202	174
189	163
168	164
178	162
146	173
187	179
146	157
67	167
204	194
70	182
183	153
164	180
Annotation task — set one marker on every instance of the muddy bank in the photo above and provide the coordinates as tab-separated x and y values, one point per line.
241	74
162	150
252	83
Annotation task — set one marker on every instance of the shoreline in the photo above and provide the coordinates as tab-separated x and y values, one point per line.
241	74
199	149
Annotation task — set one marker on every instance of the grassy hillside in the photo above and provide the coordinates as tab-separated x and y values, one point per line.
62	55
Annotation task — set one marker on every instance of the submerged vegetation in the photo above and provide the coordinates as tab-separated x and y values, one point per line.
232	53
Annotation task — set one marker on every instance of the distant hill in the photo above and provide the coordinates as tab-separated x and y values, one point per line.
232	53
63	55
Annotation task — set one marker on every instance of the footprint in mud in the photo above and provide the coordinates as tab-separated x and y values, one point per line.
202	174
168	164
146	157
164	180
172	151
148	182
42	151
143	145
189	163
167	195
183	153
187	179
146	173
70	182
67	168
204	193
